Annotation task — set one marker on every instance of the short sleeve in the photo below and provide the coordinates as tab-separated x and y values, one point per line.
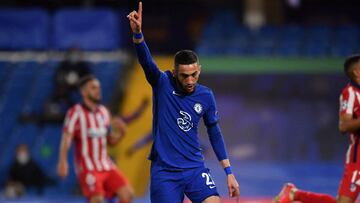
347	100
71	120
211	115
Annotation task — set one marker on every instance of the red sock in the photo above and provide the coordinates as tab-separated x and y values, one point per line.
312	197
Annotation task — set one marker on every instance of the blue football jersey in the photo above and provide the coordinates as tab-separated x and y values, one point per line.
176	116
175	122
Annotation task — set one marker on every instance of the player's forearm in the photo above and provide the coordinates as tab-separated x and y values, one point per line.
114	138
64	147
226	166
348	126
225	163
152	72
217	142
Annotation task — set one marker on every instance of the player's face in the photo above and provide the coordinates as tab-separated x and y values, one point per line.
187	76
356	70
92	91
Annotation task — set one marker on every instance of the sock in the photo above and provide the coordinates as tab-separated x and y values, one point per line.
312	197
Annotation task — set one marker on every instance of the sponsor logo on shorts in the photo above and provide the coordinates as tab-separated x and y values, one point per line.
353	187
90	181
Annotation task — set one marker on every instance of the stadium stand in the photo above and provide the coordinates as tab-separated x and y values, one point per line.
87	29
24	29
286	40
25	85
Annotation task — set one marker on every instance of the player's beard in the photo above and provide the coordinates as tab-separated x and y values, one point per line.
94	100
183	87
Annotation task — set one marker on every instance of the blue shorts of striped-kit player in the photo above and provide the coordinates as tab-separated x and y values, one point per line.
170	185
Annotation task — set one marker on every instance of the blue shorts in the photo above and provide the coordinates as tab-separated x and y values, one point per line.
171	185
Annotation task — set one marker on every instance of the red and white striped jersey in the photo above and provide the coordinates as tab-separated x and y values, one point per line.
90	130
350	104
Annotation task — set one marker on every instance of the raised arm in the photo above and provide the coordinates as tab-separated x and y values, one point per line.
152	72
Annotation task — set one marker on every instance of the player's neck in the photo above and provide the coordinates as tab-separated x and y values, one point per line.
356	81
90	105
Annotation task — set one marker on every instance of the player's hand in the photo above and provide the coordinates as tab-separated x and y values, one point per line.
135	18
233	186
119	124
62	169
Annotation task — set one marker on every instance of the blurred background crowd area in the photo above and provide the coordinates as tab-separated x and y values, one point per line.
275	68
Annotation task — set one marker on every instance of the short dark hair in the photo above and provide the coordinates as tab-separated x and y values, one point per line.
85	79
185	57
349	63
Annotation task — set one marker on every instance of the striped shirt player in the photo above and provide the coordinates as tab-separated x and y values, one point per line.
349	122
88	125
90	131
350	106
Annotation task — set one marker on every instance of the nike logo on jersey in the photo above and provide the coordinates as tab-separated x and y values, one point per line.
177	94
212	186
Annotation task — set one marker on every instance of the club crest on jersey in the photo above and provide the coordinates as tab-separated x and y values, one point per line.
353	187
198	108
343	105
184	122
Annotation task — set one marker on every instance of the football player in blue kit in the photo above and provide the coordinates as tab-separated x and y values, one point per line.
178	167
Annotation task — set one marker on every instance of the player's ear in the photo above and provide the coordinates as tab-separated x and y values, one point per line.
174	72
82	91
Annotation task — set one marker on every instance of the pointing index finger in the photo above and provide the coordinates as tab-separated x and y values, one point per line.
140	8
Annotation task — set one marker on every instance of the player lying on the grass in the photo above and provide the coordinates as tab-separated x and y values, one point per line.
179	103
349	123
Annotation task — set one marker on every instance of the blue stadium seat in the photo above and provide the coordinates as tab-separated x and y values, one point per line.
87	29
263	41
26	134
46	152
4	73
17	87
46	147
217	27
107	72
41	88
346	41
290	41
318	41
24	29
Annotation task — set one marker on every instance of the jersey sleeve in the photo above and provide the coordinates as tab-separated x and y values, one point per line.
71	121
347	100
211	115
152	72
